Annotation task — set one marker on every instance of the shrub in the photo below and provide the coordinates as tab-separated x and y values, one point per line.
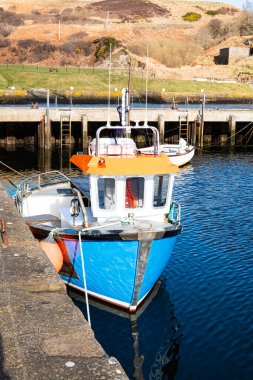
215	28
67	48
74	48
11	18
27	43
246	26
103	47
70	18
6	30
4	43
66	11
191	16
77	36
32	50
54	11
212	12
36	12
227	11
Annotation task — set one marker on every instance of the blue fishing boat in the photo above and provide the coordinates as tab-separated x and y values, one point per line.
111	232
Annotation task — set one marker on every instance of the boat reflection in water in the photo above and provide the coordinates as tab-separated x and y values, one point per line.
146	343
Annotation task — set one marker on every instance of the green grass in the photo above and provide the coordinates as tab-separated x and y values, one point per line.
89	79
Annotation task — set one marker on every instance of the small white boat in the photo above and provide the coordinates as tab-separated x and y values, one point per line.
179	154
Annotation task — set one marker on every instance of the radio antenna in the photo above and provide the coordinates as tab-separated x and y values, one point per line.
109	88
146	110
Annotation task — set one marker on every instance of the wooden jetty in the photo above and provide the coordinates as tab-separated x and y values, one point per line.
47	126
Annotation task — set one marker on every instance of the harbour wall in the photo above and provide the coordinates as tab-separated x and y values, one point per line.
42	126
43	335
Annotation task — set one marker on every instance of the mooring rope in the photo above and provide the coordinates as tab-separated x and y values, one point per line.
229	137
8	167
84	279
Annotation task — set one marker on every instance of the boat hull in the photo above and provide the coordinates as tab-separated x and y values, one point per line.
177	156
121	272
182	158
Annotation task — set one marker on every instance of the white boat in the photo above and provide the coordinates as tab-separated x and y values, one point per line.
179	154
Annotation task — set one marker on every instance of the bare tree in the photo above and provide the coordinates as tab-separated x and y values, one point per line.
247	21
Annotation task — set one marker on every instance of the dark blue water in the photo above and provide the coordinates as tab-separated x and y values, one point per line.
200	324
209	279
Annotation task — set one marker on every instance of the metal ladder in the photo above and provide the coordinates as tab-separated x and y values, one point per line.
65	132
184	127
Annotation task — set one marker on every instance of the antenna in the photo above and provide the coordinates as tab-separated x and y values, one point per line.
146	110
109	88
129	90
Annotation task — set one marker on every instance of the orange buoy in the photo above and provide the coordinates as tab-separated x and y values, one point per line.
53	252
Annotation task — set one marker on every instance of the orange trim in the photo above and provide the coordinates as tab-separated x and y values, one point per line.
134	165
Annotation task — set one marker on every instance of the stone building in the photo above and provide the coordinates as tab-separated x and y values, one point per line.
232	55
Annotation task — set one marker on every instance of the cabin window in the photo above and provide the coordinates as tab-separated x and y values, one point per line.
106	193
161	184
134	196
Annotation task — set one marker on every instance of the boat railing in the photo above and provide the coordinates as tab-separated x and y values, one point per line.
37	181
127	130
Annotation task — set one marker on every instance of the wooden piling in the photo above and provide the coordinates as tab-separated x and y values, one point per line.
223	140
232	129
41	134
161	128
47	132
85	133
193	132
201	133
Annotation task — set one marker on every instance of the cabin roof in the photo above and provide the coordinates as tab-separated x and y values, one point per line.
125	165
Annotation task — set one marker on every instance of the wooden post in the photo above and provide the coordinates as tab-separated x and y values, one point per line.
201	137
193	133
47	130
48	124
232	129
47	160
161	128
10	139
85	133
198	131
223	140
208	139
41	134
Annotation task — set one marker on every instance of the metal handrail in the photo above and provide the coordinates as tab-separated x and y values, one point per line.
51	176
127	128
36	181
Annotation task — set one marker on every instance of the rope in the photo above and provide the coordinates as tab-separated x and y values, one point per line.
84	279
15	171
230	137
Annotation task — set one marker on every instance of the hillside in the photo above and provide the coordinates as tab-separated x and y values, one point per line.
183	37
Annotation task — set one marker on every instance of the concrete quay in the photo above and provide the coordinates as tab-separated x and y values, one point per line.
48	127
43	335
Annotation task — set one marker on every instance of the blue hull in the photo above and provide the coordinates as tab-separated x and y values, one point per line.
121	272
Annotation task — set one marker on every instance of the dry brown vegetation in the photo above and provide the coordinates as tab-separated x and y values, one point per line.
63	33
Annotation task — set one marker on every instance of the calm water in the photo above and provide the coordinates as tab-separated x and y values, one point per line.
200	324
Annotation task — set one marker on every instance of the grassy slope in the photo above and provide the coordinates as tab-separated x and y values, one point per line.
25	77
